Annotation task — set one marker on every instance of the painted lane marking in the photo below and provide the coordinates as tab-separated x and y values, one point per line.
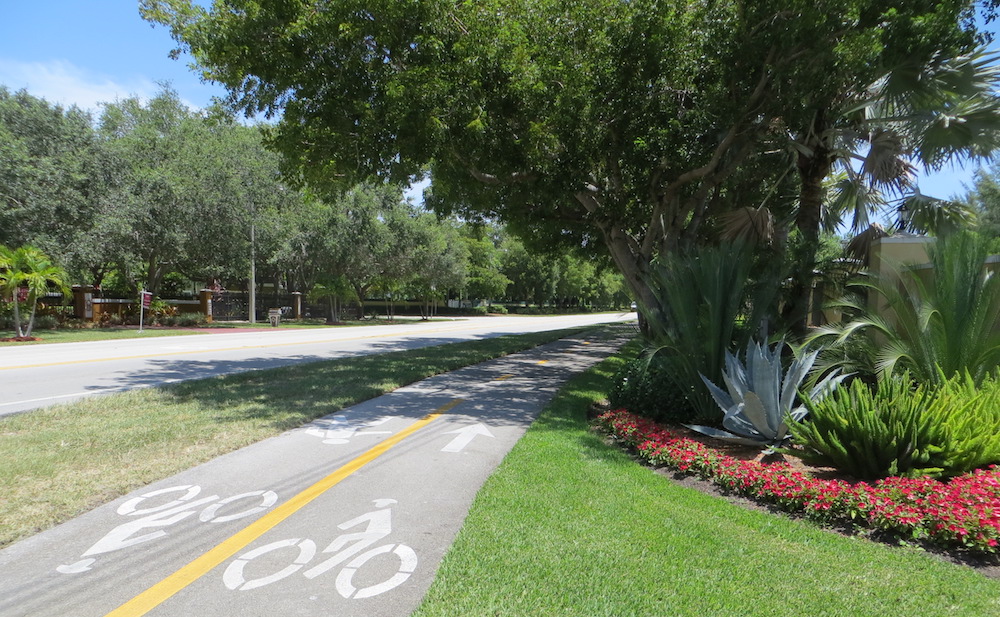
543	362
504	377
168	587
60	396
339	429
237	348
88	393
465	437
162	517
377	525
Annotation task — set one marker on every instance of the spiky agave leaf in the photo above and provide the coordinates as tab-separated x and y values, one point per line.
761	398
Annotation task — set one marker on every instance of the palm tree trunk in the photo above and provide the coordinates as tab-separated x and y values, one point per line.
17	316
31	318
813	169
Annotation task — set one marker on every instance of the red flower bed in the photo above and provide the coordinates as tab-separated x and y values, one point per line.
963	512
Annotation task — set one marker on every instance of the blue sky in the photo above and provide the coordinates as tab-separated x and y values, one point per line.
85	52
90	51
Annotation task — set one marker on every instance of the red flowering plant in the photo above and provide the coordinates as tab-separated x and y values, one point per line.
962	512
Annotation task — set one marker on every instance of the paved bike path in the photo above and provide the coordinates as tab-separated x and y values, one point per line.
349	515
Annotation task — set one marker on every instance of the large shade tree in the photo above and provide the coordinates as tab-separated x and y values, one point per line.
627	123
51	177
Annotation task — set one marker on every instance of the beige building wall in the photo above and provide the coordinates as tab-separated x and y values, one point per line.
893	254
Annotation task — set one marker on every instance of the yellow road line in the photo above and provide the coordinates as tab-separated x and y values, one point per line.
162	591
215	349
504	377
543	362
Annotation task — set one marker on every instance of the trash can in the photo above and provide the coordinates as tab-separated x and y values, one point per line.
274	316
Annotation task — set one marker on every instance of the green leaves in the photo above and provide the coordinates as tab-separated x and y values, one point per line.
758	402
936	322
28	268
899	430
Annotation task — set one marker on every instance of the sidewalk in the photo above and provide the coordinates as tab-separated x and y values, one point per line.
349	515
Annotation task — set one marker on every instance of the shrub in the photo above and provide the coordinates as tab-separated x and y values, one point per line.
711	303
934	330
46	322
896	430
759	401
189	320
644	387
6	316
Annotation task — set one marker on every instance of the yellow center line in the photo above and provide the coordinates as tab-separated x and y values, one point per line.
504	377
216	349
543	362
162	591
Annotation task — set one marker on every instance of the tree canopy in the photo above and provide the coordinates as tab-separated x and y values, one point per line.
632	124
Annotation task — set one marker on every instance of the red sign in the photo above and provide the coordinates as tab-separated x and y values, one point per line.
147	297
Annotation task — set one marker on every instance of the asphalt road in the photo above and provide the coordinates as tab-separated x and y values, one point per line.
41	375
348	516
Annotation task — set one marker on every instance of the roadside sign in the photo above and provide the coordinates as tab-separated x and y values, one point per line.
147	297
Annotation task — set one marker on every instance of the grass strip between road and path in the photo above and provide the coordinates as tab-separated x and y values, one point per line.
60	461
569	525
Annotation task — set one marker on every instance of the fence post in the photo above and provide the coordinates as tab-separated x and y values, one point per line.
205	295
83	302
297	304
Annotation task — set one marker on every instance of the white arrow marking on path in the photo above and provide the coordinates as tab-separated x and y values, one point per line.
466	435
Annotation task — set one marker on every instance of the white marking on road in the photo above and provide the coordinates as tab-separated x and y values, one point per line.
465	437
338	430
54	398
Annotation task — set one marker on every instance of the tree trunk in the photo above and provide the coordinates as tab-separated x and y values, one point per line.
635	268
31	318
812	171
17	315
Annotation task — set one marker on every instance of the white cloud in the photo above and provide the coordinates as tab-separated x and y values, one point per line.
62	82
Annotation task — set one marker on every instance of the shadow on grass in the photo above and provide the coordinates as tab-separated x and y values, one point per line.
293	395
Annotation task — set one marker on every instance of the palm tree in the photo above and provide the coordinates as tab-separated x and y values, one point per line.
928	114
28	268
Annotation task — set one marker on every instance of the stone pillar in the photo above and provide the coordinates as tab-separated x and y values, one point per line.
297	305
205	295
83	302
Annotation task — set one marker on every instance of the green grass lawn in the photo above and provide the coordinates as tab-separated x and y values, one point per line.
58	462
571	526
91	334
567	525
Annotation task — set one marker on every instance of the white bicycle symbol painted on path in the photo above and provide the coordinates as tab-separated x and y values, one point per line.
184	505
344	547
339	429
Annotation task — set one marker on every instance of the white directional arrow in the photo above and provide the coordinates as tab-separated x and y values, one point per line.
466	435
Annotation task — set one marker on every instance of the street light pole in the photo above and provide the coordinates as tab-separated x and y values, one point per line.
253	267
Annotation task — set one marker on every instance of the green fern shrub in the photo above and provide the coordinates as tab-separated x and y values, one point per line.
644	387
896	430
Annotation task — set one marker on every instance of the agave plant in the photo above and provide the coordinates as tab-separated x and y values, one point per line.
760	400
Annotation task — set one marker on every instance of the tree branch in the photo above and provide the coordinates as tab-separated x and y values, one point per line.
514	178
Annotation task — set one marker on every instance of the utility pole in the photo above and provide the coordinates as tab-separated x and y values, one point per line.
253	267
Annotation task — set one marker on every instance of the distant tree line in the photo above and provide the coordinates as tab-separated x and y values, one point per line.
150	193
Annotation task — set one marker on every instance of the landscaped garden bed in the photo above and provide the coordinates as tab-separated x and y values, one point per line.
962	513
